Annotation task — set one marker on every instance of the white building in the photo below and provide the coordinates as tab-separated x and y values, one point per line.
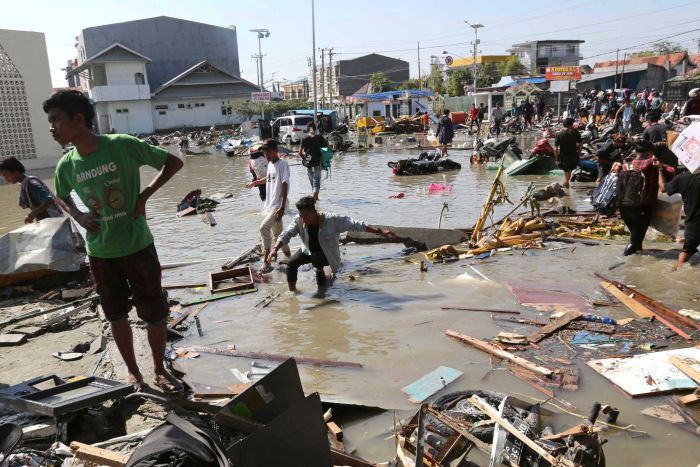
115	79
25	82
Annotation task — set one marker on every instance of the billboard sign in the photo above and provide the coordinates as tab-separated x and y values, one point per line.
261	96
562	73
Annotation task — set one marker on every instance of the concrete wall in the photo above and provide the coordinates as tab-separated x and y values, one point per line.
172	44
123	73
27	52
136	120
193	114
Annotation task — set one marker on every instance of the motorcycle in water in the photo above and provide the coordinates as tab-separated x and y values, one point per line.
490	150
335	139
543	146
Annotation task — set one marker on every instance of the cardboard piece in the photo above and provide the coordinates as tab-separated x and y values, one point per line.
647	374
687	147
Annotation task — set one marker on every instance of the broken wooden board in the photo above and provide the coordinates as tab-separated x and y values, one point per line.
231	280
427	385
690	399
689	366
486	347
549	296
647	374
664	412
98	456
554	326
420	238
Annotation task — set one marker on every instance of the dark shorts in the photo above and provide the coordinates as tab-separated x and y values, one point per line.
692	240
568	163
134	279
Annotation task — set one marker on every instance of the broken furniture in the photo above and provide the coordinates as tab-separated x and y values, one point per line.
274	412
64	397
231	280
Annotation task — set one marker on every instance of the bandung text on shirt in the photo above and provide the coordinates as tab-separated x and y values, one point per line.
96	172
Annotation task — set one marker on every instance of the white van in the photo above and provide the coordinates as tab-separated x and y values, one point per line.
291	128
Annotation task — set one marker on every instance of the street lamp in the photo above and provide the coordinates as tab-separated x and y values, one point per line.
476	27
262	33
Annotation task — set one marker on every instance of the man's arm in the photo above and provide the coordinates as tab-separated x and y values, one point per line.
257	182
172	165
280	211
38	210
85	220
290	232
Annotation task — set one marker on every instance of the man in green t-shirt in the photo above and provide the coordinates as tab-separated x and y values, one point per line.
104	173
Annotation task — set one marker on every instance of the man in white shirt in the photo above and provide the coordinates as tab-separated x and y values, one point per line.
276	203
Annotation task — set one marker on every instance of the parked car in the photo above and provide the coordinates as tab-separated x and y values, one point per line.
290	128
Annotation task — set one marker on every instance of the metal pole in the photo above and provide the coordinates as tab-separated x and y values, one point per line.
313	44
617	60
262	81
323	77
476	43
420	82
330	78
622	76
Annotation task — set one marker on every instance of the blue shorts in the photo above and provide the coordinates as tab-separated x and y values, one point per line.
315	177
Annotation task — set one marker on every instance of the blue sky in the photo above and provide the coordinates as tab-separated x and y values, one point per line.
362	26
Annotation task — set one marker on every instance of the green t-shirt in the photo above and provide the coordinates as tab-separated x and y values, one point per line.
108	182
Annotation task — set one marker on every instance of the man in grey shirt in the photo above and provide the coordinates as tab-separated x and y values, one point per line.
320	236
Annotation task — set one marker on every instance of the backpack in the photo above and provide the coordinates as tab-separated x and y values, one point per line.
179	443
326	158
630	188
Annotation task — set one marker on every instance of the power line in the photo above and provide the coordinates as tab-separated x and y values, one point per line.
644	43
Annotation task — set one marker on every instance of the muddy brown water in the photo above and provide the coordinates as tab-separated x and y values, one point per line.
389	318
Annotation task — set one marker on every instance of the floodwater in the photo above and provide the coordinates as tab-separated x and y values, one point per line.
389	317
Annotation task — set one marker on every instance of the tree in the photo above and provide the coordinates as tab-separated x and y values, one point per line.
246	108
486	75
660	48
412	83
435	79
457	79
512	67
379	82
277	108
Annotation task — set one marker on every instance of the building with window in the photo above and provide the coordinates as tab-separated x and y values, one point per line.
536	56
346	77
25	82
298	89
160	73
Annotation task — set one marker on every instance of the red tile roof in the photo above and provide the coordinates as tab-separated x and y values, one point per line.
659	60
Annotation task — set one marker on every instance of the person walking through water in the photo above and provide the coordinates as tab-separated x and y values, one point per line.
473	119
276	203
497	115
257	164
104	172
445	132
688	185
567	148
310	152
320	237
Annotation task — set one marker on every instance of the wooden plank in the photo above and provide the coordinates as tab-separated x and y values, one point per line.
64	315
212	298
690	399
482	405
427	385
12	339
99	456
641	310
664	412
275	357
335	430
554	326
485	310
486	347
581	429
689	366
647	374
184	286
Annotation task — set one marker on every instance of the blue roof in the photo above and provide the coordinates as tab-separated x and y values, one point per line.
507	81
382	96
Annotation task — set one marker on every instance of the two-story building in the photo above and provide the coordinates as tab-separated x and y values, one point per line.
161	73
536	56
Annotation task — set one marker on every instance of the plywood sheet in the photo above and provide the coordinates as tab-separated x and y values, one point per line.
647	374
427	385
549	296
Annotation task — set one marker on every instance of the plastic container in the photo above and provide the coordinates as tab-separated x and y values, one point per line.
458	117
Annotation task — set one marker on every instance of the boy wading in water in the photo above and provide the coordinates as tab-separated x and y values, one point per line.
104	173
33	193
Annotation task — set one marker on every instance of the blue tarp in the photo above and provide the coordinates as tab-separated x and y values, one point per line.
538	80
383	96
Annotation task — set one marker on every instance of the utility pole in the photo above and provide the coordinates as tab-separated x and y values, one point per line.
476	27
323	72
330	78
257	67
313	49
617	60
420	82
622	76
